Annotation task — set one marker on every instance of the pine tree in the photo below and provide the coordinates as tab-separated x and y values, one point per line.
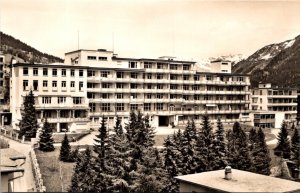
219	147
283	145
118	127
46	141
252	139
260	155
83	173
28	124
188	150
238	152
65	150
295	148
171	154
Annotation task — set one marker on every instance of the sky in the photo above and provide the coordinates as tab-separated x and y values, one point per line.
186	29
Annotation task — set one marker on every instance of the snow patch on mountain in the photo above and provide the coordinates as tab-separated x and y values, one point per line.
288	43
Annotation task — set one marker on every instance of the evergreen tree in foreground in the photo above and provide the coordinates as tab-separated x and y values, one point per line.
46	141
238	152
252	138
220	147
260	155
295	149
81	179
65	150
118	127
28	124
283	147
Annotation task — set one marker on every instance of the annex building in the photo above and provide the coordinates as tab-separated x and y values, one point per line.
90	83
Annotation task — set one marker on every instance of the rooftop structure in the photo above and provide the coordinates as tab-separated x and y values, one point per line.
241	181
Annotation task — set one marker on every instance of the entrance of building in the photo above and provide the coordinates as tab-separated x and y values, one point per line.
163	121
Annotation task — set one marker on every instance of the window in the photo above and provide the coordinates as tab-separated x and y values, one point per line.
119	95
54	72
159	96
133	86
35	71
72	72
91	57
105	107
186	67
61	100
105	96
105	85
173	86
149	76
91	73
186	77
173	66
35	84
173	76
147	107
185	97
46	100
80	73
92	107
120	85
63	84
208	77
54	83
159	106
186	87
119	106
196	77
104	74
148	96
160	76
160	66
80	86
91	95
120	74
25	71
102	58
63	72
132	64
45	83
147	65
25	84
160	86
72	84
76	100
133	107
133	75
45	71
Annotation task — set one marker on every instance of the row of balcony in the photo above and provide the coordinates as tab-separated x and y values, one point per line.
62	106
166	112
166	81
169	101
65	120
175	91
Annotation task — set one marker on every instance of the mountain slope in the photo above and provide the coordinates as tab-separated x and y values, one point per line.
23	52
278	64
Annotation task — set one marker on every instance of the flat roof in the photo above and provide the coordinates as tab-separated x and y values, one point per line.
57	65
154	60
99	50
6	154
242	181
10	169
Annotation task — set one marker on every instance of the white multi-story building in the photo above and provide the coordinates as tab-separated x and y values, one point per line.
168	90
272	105
60	94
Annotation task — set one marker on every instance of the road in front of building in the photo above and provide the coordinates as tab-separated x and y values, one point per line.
26	183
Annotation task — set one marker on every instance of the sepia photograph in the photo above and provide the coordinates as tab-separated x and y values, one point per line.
150	96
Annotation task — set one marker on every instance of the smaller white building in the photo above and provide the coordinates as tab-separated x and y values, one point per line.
272	105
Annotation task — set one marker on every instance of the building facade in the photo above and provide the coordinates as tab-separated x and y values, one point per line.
170	91
272	105
60	94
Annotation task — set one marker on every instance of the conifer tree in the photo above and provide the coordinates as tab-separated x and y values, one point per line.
65	150
171	154
118	127
188	150
252	139
28	124
82	179
260	155
46	141
295	148
238	152
220	147
283	145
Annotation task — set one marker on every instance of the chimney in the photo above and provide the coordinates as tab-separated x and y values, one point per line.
228	173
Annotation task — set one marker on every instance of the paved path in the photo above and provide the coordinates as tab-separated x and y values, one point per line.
27	181
274	141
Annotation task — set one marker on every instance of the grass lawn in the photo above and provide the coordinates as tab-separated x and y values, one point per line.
50	169
159	139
